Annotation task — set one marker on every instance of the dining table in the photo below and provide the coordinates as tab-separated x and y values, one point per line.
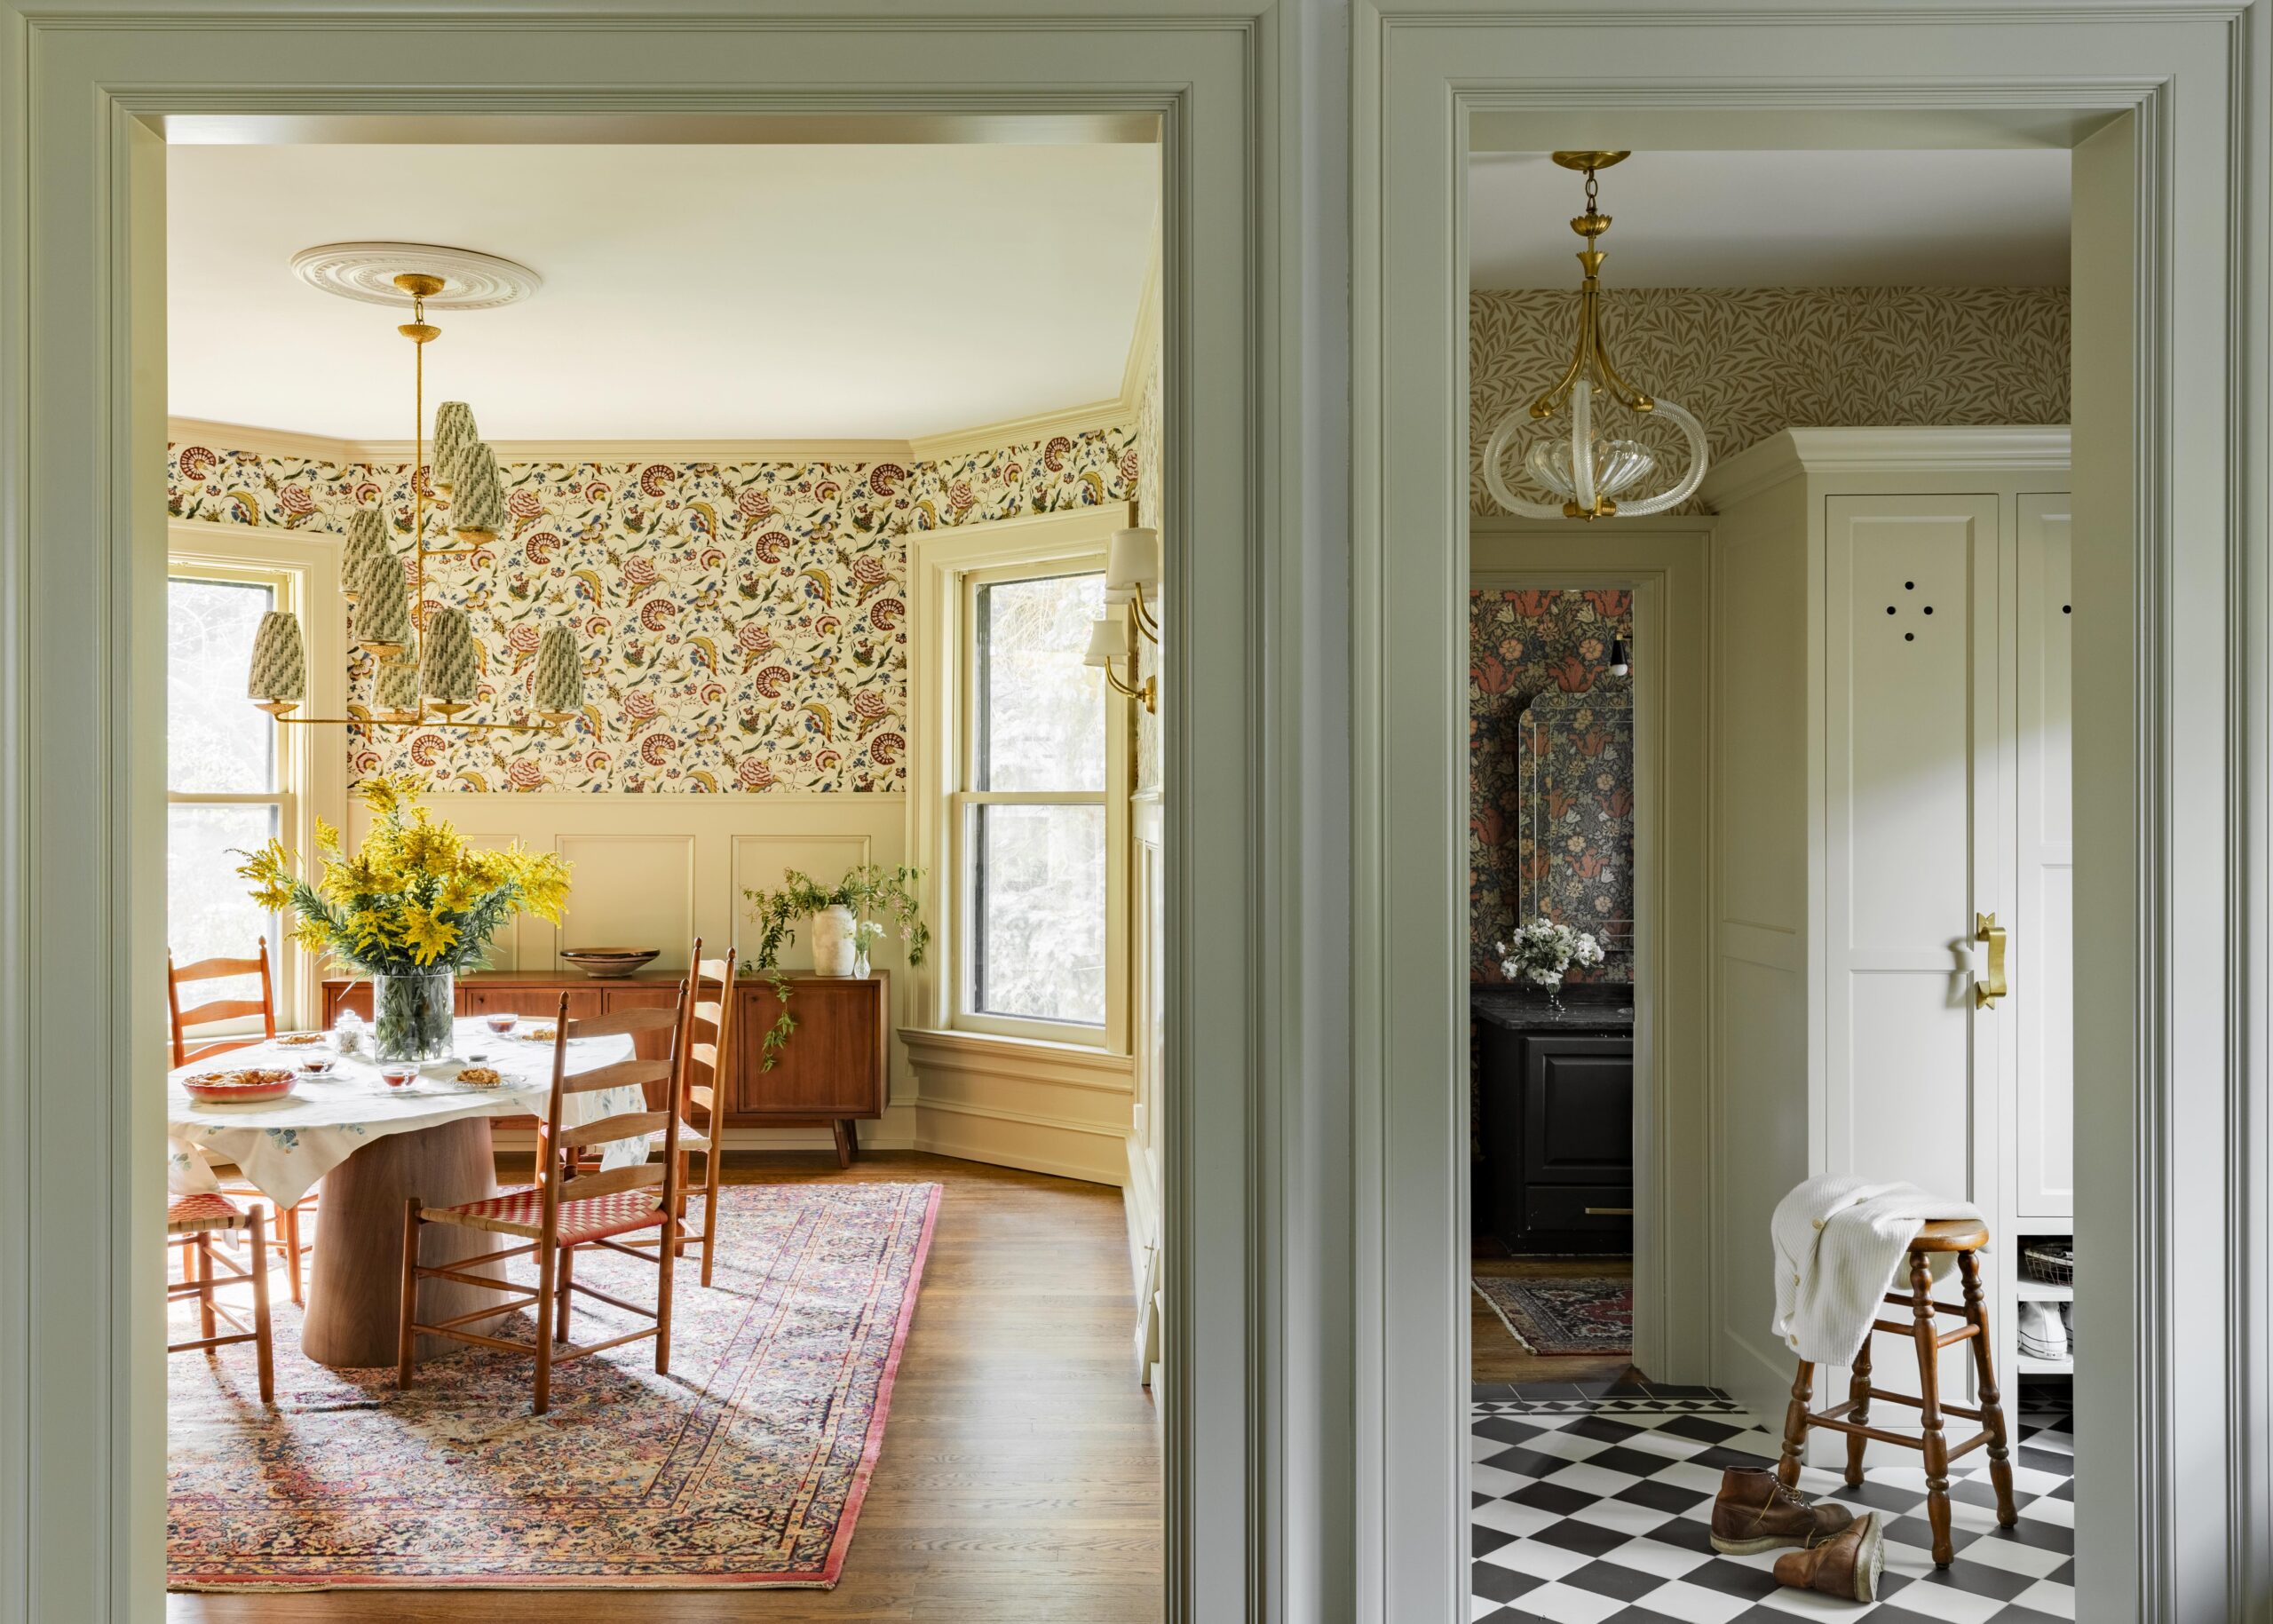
373	1146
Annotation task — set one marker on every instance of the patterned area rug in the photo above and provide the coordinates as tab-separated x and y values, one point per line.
1583	1313
745	1466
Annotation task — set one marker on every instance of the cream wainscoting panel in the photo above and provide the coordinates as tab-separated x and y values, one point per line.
1046	1108
656	870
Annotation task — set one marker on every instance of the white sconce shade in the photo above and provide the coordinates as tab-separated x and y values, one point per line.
478	507
396	695
450	671
279	678
454	436
383	615
559	685
1108	642
366	548
1133	560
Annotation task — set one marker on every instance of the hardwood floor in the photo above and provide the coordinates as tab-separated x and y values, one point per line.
1494	1353
1020	1477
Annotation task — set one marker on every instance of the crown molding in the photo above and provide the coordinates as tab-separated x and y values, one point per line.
1792	452
931	448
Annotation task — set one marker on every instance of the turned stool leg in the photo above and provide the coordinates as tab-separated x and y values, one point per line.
1795	1426
1858	1394
1992	1410
1929	1408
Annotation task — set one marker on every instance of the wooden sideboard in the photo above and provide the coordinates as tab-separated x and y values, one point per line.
832	1069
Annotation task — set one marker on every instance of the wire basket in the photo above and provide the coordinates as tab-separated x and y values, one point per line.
2053	1262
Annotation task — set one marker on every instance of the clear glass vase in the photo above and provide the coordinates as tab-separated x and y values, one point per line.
411	1014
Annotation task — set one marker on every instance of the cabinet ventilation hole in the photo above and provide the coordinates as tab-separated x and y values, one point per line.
2064	609
1890	608
1910	586
1929	608
1910	637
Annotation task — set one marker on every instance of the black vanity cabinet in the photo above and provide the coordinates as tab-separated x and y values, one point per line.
1555	1088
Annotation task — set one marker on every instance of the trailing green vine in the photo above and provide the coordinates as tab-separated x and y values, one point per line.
865	888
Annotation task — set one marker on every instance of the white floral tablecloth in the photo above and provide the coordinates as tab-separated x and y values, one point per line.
285	1146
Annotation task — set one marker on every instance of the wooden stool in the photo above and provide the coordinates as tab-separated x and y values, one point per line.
1965	1236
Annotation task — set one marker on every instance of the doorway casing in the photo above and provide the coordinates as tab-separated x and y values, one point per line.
2171	387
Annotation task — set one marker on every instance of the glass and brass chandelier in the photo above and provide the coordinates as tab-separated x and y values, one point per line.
1579	452
429	670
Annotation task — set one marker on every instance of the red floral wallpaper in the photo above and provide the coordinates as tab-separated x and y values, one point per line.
1524	644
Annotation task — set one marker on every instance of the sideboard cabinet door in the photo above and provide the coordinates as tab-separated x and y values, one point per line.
832	1066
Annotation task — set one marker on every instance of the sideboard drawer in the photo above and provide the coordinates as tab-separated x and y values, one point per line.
1579	1210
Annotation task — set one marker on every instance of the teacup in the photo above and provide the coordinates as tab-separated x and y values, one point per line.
316	1066
398	1074
500	1024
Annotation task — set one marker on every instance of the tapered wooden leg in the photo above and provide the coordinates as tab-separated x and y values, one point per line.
666	1265
1936	1445
1992	1408
1795	1425
406	1339
547	1272
710	1200
287	1219
1858	1395
205	1288
846	1141
567	1287
265	1356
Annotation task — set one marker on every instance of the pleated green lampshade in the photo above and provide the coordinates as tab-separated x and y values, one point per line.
396	693
449	670
454	436
559	685
367	546
382	616
279	678
478	504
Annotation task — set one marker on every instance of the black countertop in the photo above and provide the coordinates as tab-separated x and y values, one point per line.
1585	1007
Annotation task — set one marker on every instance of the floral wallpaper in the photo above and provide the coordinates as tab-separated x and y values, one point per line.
743	625
1541	645
1752	362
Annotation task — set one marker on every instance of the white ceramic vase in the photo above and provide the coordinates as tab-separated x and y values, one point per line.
833	940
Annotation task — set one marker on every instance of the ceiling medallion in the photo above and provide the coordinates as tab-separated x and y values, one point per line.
1579	460
373	272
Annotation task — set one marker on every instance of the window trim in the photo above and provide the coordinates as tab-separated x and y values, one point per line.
303	569
945	568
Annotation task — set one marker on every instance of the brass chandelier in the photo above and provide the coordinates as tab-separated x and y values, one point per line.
429	671
1578	460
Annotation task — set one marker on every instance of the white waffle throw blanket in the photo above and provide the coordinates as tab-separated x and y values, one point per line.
1840	1241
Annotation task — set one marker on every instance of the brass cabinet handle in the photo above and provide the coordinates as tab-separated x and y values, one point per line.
1607	1212
1986	991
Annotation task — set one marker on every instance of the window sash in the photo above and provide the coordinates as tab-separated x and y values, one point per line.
963	802
290	756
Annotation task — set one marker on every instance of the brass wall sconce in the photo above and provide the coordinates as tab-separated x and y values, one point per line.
1132	564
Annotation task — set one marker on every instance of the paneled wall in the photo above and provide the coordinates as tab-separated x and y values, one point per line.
653	871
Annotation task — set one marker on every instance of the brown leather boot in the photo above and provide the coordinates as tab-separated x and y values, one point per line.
1754	1512
1846	1565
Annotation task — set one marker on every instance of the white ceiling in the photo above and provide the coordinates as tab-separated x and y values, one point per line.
1779	219
726	292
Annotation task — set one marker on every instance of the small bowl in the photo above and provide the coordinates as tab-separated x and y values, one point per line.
317	1065
398	1073
607	963
501	1025
251	1085
482	1077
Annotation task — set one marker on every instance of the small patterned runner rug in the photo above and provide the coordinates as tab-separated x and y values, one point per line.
1582	1313
745	1466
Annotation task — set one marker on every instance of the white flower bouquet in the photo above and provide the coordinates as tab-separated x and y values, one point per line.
1544	951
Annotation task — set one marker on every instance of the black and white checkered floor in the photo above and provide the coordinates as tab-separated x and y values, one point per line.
1592	1504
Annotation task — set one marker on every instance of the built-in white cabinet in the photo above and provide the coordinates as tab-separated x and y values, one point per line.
1893	780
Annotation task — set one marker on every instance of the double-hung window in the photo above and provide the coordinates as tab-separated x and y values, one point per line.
231	782
1035	818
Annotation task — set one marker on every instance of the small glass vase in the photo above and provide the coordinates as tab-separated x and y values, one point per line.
411	1012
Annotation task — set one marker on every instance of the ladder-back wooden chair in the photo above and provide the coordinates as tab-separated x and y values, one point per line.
195	1220
710	1055
189	1049
562	1211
